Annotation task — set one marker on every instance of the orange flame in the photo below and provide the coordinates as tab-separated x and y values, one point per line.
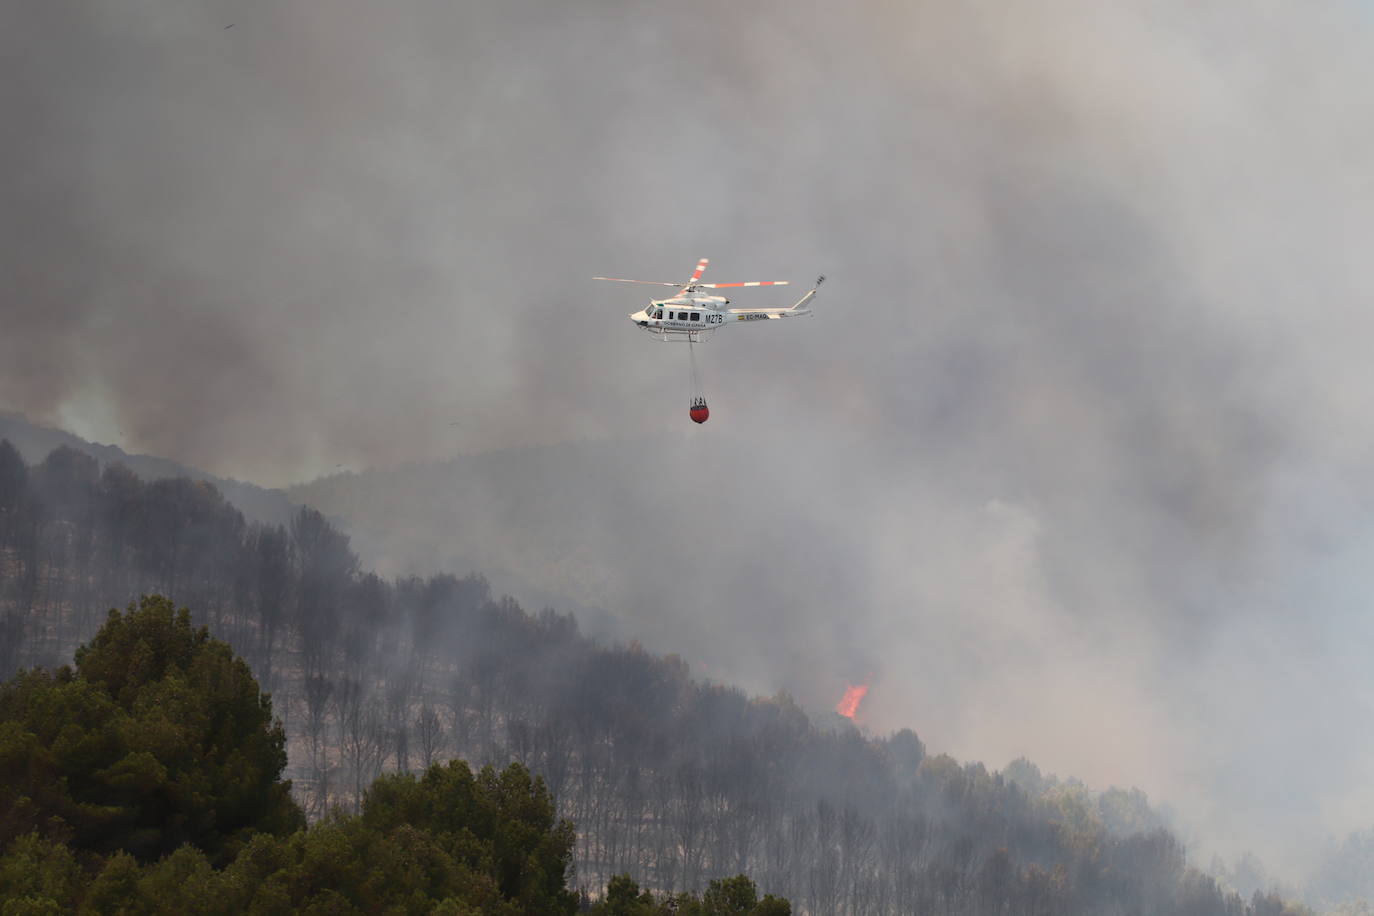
853	695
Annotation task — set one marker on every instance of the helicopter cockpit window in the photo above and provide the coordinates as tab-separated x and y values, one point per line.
696	316
658	313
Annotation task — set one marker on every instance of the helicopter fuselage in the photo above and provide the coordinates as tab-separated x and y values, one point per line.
691	318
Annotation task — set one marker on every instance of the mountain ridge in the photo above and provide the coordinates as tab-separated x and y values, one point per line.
35	441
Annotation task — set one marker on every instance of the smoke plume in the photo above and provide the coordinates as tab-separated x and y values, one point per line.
1075	446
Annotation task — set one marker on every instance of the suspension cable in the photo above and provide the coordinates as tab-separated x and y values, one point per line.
696	376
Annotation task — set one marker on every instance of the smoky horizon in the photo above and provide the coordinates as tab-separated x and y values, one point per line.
1069	464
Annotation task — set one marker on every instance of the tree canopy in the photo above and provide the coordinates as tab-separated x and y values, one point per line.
737	896
499	826
159	737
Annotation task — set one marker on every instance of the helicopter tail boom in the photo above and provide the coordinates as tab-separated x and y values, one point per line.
798	307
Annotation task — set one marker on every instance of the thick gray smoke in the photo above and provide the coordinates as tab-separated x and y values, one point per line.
1078	435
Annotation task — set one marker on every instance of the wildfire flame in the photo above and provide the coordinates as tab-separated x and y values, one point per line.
853	695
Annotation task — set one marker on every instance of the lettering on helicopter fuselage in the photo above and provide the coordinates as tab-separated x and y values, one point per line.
752	317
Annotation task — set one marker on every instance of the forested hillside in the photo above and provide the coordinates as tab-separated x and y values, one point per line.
34	442
146	779
670	779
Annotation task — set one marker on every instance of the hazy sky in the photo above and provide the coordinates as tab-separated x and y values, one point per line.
1086	398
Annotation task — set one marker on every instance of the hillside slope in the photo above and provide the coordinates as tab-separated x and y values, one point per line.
34	442
669	777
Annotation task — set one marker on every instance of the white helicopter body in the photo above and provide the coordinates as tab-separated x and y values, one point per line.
691	315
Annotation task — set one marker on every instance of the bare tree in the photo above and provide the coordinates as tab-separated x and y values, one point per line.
429	732
361	735
318	689
398	699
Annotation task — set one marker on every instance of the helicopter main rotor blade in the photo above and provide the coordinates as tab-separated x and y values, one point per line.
648	282
695	283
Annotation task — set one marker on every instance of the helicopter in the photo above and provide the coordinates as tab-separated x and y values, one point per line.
691	315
